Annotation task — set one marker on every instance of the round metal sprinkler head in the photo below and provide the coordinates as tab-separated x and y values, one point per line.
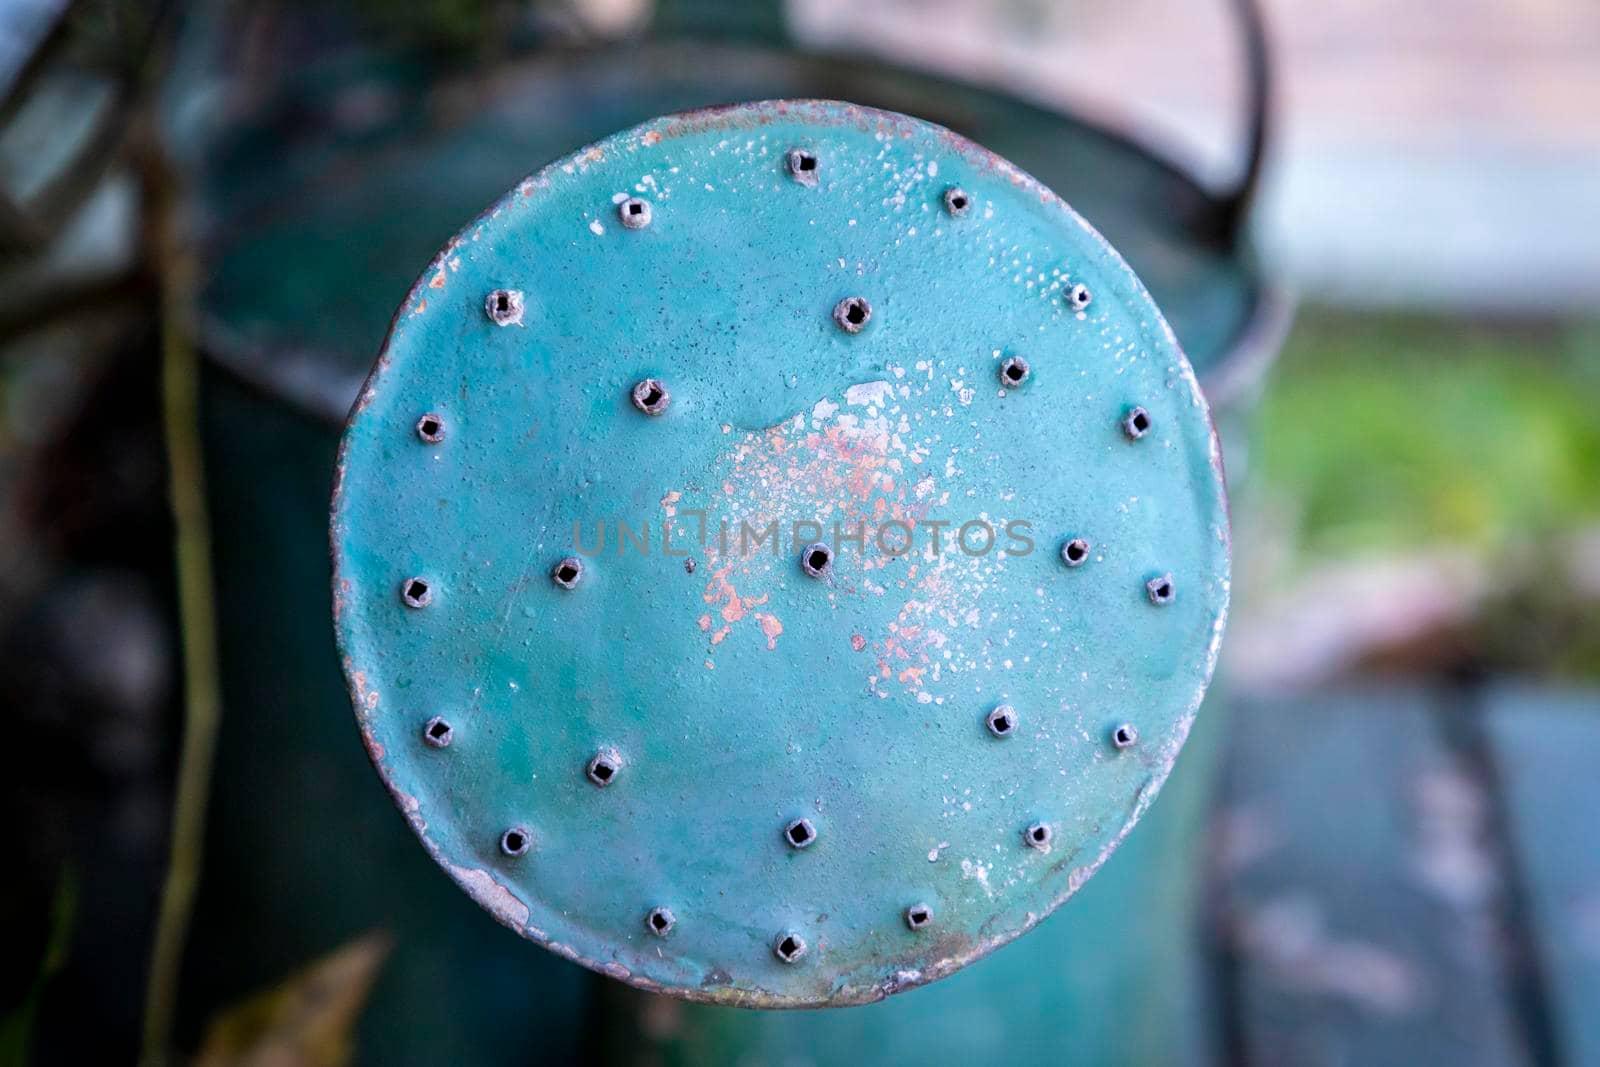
756	658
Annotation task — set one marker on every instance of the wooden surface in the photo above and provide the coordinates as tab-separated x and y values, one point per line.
1409	875
1545	745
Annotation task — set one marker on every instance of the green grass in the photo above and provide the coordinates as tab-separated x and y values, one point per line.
1384	432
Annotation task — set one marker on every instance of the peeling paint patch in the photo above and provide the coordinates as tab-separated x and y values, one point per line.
771	628
494	897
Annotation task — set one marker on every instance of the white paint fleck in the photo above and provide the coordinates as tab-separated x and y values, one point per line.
869	393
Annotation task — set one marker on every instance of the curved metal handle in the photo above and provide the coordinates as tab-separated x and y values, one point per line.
1258	99
763	20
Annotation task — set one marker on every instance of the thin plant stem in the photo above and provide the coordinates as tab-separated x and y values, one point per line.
180	380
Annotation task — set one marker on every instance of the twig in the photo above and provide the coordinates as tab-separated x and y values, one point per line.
180	378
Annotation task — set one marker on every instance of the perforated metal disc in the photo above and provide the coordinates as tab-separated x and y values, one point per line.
731	767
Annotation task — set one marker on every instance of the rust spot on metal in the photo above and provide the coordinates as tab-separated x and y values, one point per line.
567	573
852	314
430	428
650	396
1014	370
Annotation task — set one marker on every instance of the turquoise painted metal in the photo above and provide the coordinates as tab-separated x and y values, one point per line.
306	854
308	247
1113	977
777	778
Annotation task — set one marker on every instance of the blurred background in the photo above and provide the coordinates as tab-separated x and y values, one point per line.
1373	228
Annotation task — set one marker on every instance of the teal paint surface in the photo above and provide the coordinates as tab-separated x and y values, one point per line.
310	247
743	694
1113	977
303	852
1356	906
